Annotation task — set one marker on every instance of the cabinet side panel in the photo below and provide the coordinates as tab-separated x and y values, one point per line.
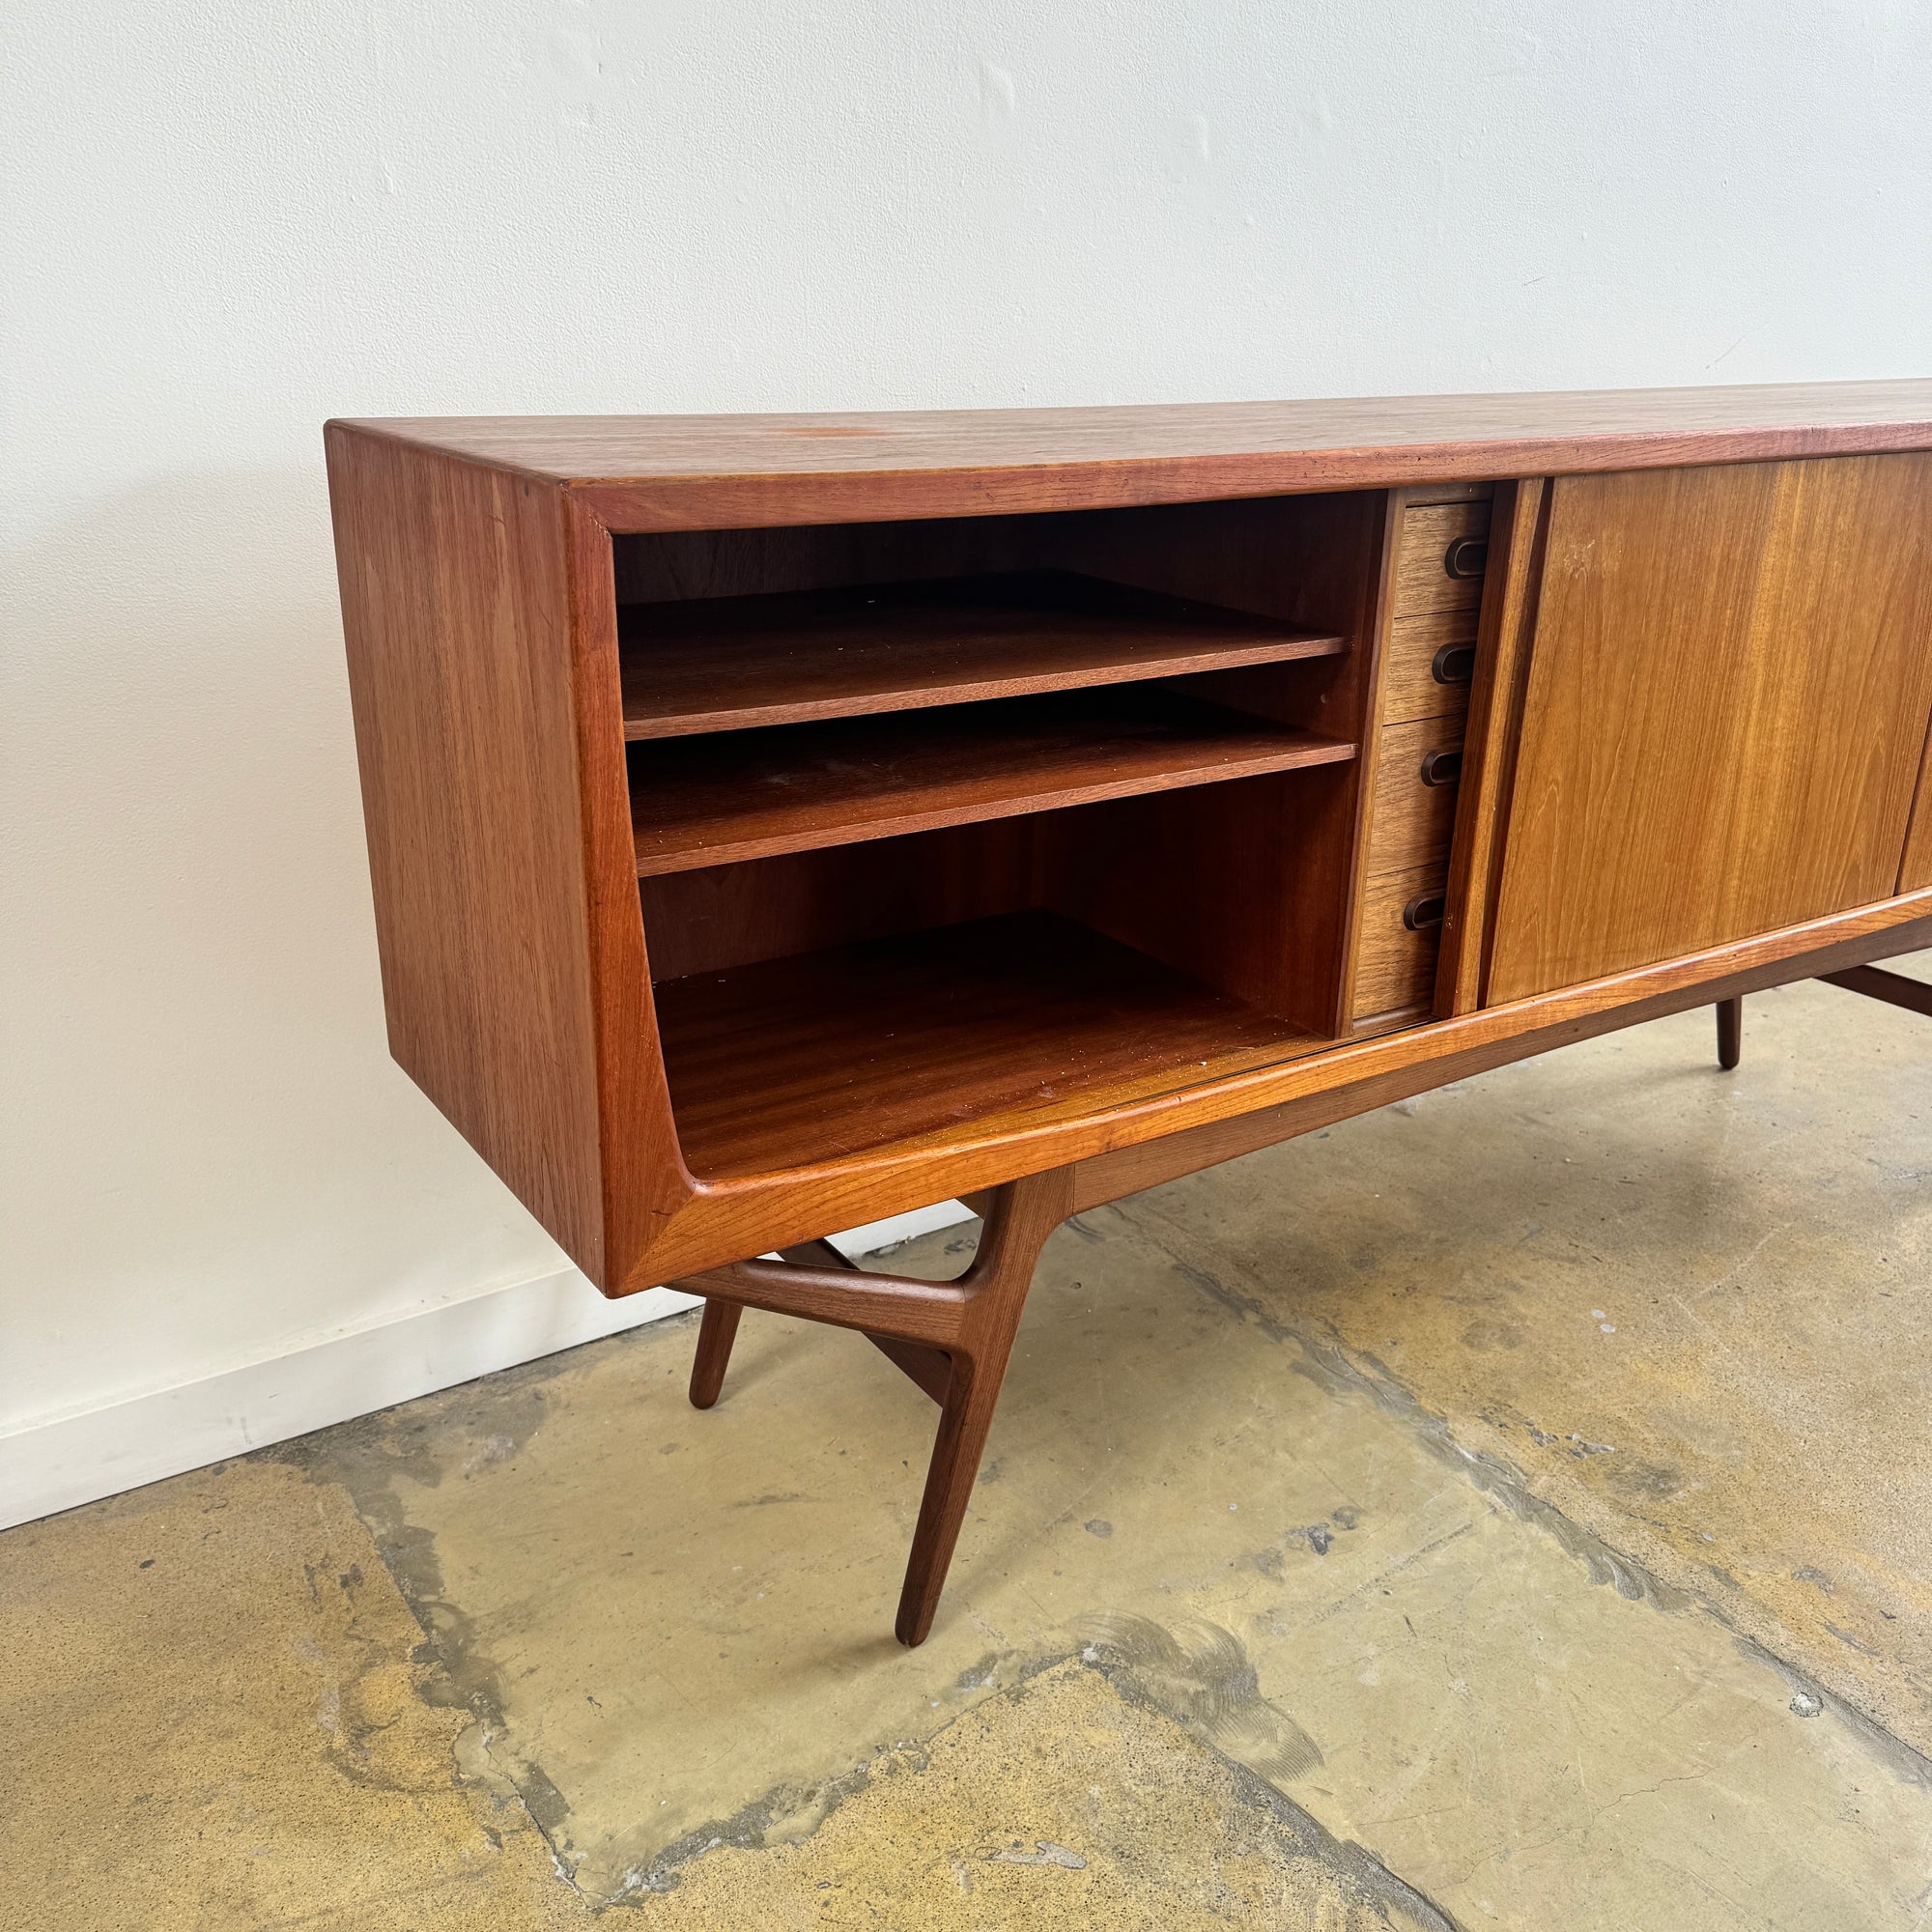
455	613
1728	703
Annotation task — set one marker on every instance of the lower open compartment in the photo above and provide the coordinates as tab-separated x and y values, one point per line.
953	984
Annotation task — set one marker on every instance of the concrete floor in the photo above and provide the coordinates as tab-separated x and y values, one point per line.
1511	1509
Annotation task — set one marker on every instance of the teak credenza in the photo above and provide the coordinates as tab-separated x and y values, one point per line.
779	822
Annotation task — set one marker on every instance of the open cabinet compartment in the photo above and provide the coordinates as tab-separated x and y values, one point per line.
948	829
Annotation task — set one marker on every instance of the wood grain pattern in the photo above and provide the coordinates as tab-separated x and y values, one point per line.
1420	493
681	566
1727	705
924	1313
1432	536
512	918
455	612
1238	887
1915	866
740	795
1222	554
1405	824
928	1368
1394	1068
727	664
1491	734
978	1028
1396	971
1357	855
724	916
1225	883
1413	820
712	473
787	1206
646	1181
1410	686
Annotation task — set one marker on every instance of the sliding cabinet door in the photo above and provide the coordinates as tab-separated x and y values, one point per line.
1729	681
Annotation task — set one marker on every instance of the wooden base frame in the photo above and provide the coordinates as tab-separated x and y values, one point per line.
1895	989
951	1338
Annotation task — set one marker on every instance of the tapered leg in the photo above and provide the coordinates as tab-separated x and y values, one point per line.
951	1338
1730	1033
963	1425
716	1333
1019	1218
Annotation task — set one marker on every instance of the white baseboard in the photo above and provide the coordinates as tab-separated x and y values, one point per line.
60	1462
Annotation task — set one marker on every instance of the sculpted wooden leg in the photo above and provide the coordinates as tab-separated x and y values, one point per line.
719	1327
951	1338
1730	1033
1019	1218
716	1333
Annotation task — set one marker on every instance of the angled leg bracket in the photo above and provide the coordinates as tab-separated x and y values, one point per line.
953	1339
930	1368
1876	983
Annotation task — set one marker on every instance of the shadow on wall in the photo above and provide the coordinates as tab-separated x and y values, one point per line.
215	1151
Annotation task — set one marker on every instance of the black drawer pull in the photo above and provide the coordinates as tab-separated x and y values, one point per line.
1466	556
1441	768
1422	911
1453	664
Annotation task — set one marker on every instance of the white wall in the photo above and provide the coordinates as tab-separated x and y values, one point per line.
227	222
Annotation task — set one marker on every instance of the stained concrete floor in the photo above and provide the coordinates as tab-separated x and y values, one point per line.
1511	1509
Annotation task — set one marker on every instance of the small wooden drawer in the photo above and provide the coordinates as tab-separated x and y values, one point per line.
1438	565
1416	770
1431	661
1400	933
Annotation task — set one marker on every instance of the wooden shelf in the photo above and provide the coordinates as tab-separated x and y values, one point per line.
750	794
728	663
941	1035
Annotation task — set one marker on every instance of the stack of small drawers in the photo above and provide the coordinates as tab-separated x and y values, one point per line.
1441	548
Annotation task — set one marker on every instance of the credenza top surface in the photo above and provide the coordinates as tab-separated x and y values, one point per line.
1257	446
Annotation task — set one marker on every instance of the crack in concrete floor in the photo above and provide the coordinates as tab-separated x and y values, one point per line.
1328	1360
1505	1613
1175	1834
1685	1309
